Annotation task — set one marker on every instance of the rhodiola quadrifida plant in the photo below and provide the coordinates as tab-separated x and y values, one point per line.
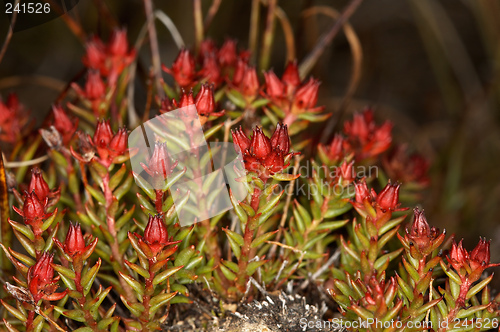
89	244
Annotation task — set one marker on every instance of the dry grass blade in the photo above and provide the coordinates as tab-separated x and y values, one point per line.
44	81
214	8
153	42
169	24
357	60
288	32
8	37
198	24
267	39
254	27
309	62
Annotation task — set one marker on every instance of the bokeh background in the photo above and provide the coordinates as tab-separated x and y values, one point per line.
430	66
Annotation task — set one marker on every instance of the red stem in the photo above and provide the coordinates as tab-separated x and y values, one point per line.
89	320
149	290
29	322
115	248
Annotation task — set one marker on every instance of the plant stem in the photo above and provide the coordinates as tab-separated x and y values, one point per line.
198	24
155	53
29	322
267	39
254	27
89	320
159	201
115	248
211	13
309	62
246	251
149	290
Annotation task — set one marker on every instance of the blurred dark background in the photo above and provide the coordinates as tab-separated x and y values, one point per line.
430	66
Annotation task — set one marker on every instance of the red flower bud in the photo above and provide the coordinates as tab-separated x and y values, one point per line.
64	125
118	144
388	198
33	208
205	102
280	139
74	243
362	192
227	53
274	161
459	256
38	184
183	69
347	172
249	85
291	75
118	45
43	268
241	141
103	134
211	70
159	163
307	95
274	87
95	54
252	164
480	255
382	138
155	234
13	119
41	276
207	46
94	87
358	128
186	99
335	151
239	72
420	233
260	145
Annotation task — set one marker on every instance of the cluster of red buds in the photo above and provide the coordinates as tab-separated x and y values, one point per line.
262	155
105	63
155	240
110	59
375	207
401	166
111	148
41	281
37	201
13	120
213	65
363	139
204	102
469	266
290	94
